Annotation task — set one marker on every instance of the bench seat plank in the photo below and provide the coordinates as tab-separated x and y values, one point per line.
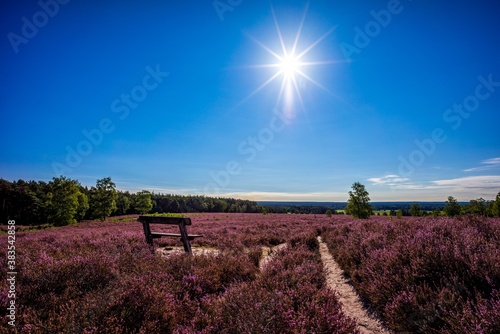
160	234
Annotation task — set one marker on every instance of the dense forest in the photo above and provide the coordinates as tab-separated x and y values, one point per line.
63	201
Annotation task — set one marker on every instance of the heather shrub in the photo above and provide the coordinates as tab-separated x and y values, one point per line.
68	277
254	255
253	308
207	274
139	304
307	238
106	279
480	316
423	275
295	266
288	297
129	306
101	277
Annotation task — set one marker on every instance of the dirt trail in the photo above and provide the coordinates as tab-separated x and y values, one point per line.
171	250
351	304
268	253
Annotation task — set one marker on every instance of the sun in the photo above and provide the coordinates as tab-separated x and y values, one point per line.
290	65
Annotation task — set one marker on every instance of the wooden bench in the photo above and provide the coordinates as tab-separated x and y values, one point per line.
181	222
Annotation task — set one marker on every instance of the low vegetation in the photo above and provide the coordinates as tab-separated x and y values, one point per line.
419	275
424	275
101	277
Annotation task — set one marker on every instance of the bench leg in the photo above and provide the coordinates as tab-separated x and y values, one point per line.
185	239
147	233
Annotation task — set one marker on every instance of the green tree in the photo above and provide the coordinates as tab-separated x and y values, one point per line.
436	212
103	198
63	201
23	201
452	207
83	206
142	201
415	210
359	202
122	203
476	207
328	213
495	206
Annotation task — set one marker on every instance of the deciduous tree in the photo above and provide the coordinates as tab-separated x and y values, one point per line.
142	201
122	203
103	198
63	202
359	202
452	207
415	210
496	206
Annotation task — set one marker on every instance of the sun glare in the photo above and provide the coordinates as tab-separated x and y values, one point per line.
290	66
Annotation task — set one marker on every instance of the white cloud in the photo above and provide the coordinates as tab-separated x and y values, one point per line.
486	165
463	188
472	182
388	180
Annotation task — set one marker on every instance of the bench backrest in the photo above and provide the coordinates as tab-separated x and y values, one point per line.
164	220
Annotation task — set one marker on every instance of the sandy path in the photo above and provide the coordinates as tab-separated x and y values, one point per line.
351	303
268	253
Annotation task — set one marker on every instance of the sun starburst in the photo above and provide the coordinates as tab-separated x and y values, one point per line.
290	66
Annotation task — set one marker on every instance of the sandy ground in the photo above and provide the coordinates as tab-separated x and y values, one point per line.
351	304
268	253
170	250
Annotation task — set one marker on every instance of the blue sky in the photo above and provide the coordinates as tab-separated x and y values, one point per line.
176	97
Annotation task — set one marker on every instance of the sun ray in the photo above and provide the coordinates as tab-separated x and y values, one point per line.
277	56
280	95
322	62
271	79
278	30
310	47
297	36
290	66
299	95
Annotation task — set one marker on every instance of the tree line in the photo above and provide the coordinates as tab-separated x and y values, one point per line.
358	206
64	201
478	207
